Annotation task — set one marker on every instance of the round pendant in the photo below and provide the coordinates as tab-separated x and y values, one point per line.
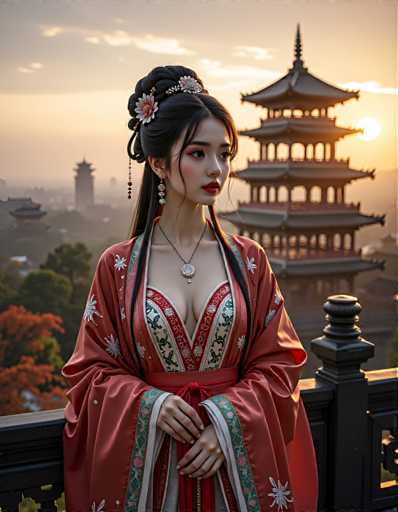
188	270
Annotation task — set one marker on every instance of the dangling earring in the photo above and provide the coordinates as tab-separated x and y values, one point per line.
162	193
129	183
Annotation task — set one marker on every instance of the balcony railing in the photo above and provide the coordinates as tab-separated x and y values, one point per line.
353	416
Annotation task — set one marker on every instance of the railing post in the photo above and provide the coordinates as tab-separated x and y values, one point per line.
342	351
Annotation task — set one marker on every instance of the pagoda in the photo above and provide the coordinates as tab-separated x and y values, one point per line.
297	209
84	185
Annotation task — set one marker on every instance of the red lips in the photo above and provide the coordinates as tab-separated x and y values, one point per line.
214	185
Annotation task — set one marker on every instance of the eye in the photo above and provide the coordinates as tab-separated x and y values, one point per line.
194	153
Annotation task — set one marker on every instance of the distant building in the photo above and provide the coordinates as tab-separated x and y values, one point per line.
84	185
23	233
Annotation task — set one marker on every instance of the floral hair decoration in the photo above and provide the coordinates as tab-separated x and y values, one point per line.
146	106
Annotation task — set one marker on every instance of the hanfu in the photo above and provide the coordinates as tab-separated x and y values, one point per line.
117	459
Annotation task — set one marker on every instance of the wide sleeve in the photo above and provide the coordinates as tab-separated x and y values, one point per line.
110	418
261	420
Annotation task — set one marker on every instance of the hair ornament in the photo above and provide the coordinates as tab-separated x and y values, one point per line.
146	106
186	84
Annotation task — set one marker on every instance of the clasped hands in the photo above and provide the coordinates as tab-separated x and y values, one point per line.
178	419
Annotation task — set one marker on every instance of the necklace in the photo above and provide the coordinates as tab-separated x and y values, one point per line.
187	270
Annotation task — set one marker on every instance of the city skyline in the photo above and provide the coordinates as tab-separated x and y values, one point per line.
68	71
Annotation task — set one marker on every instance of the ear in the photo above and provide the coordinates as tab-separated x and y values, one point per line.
158	166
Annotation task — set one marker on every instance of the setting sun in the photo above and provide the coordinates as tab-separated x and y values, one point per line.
371	126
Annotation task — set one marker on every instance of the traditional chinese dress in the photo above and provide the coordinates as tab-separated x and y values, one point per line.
117	459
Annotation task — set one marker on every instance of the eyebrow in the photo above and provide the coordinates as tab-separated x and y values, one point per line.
202	143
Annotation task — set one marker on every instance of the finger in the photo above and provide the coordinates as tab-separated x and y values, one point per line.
171	433
180	430
207	464
191	413
195	464
187	422
189	456
213	470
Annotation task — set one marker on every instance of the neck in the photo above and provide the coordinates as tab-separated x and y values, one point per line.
183	226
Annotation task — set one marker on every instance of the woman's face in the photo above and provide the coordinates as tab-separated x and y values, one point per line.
205	160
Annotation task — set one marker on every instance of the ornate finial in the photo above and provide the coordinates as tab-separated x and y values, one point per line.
298	62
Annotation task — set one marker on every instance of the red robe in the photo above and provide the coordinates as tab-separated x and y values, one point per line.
116	459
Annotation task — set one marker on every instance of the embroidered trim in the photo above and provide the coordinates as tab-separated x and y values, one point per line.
241	456
135	251
163	342
137	461
215	349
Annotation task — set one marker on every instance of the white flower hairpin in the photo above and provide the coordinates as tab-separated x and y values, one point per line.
146	106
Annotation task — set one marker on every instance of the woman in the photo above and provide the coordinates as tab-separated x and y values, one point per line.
184	380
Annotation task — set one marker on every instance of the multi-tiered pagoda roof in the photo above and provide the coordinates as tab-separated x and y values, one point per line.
297	208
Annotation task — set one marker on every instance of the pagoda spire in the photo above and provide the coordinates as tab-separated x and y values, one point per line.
298	62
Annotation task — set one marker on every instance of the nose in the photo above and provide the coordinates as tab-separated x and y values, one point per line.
215	168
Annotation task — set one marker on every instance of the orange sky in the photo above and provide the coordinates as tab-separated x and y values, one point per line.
67	72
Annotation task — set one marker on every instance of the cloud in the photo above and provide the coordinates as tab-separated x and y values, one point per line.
92	40
370	86
252	52
117	38
32	67
165	45
120	38
52	31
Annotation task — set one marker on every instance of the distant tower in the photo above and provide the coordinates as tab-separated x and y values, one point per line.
84	185
297	209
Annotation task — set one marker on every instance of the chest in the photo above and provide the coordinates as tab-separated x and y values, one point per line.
189	300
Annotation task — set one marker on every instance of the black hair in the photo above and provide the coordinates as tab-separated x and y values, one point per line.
176	112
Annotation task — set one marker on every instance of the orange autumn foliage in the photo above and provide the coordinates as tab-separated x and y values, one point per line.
29	364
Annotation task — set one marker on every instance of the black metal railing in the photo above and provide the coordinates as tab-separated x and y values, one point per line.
353	416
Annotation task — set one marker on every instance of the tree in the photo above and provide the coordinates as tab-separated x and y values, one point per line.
10	281
29	361
393	355
73	262
45	291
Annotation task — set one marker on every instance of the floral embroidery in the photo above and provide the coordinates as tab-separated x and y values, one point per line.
139	451
278	297
280	494
141	350
198	351
241	342
122	313
149	293
251	266
240	452
269	316
168	312
211	309
120	263
99	507
113	347
91	310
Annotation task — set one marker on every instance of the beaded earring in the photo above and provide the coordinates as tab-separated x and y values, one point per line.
162	193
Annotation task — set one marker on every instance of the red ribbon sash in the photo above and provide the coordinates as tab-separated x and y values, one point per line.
194	387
